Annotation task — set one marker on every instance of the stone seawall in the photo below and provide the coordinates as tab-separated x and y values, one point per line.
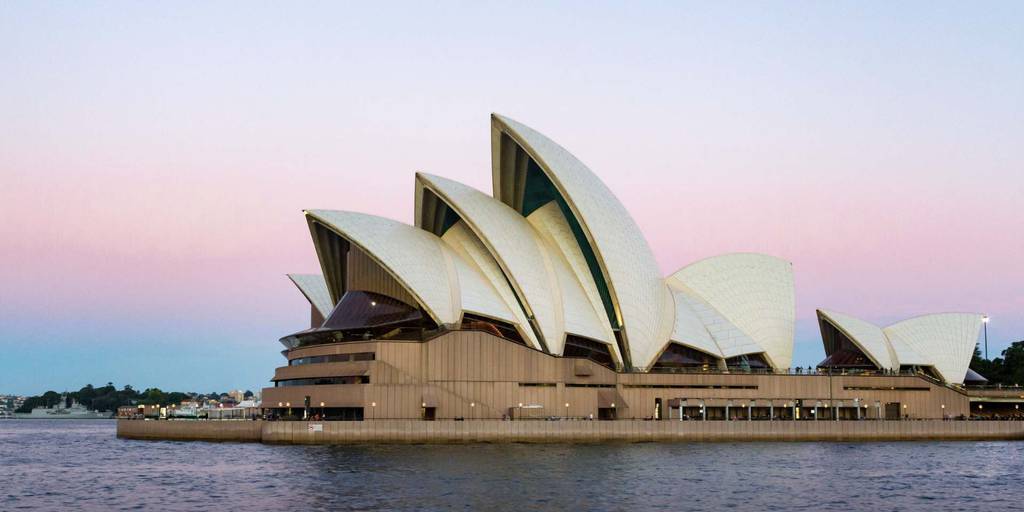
495	431
241	431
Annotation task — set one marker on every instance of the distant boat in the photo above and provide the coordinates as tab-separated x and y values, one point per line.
64	411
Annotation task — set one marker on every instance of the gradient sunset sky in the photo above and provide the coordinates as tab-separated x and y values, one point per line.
155	159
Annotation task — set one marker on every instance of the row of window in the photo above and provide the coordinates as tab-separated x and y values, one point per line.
321	381
648	386
687	386
884	388
333	358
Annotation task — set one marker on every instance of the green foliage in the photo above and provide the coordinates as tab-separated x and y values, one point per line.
109	398
1007	370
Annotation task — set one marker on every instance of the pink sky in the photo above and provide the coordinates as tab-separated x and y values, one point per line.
155	165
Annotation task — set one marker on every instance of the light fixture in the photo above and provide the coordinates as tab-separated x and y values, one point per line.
984	319
520	405
613	405
373	404
321	404
287	404
279	404
567	404
472	404
943	406
373	303
424	404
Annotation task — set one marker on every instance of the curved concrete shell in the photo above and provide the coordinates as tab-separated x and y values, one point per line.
529	170
946	339
905	355
754	292
514	245
543	281
578	314
689	329
314	288
428	269
584	312
867	336
549	222
466	244
476	295
731	340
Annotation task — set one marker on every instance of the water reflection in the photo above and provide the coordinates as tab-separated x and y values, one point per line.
52	464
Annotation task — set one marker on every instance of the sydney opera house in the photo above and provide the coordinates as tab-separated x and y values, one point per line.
543	300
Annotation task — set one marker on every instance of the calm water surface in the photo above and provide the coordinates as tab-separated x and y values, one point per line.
80	465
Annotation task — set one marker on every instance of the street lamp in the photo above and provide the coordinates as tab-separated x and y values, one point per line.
984	322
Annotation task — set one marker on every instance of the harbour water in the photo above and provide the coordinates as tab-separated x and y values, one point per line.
81	465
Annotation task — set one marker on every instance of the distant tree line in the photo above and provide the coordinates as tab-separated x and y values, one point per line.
109	398
1007	370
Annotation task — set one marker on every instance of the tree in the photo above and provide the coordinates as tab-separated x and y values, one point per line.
153	396
1007	370
1013	363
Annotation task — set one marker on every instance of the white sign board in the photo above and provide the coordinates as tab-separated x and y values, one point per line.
316	427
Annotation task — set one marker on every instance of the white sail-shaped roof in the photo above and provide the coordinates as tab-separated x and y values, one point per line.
578	313
641	301
514	245
905	355
476	295
314	288
755	292
945	339
584	313
544	281
426	267
730	339
689	330
472	250
868	337
553	228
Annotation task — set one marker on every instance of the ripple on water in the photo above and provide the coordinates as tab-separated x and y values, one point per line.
54	465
